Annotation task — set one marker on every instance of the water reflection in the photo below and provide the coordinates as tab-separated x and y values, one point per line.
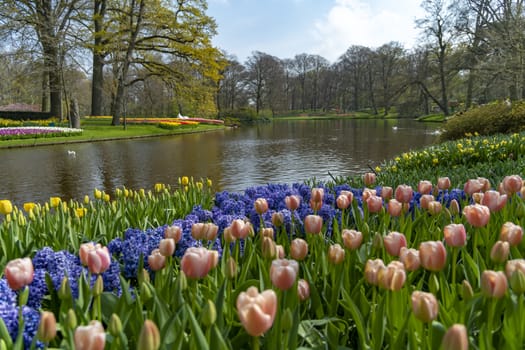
234	159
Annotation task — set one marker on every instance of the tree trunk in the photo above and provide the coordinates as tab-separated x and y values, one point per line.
97	87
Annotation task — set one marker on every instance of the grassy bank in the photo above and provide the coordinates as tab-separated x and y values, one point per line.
97	131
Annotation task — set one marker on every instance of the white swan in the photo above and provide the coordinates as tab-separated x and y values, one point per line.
71	153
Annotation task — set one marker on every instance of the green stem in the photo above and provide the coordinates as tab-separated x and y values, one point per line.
255	343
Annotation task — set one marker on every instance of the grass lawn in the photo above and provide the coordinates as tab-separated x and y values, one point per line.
98	131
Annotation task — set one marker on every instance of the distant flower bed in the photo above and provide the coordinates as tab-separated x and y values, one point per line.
12	123
181	121
24	132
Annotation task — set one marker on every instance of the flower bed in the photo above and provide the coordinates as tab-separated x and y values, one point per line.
24	132
278	266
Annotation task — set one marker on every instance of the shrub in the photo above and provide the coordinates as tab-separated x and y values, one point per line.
493	118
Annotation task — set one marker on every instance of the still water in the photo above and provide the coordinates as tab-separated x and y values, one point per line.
234	159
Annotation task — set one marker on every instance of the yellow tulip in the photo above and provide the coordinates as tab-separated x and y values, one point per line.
142	193
54	201
185	181
98	194
199	185
126	192
86	199
5	206
118	192
106	197
29	206
159	187
80	212
208	182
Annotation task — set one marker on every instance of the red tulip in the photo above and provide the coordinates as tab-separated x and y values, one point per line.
336	254
393	242
410	258
369	179
292	202
455	338
156	260
394	207
424	187
443	183
512	184
261	206
404	193
174	232
477	215
198	261
313	224
298	249
493	284
424	306
283	273
374	204
433	255
352	239
511	233
19	273
494	200
90	337
455	235
256	310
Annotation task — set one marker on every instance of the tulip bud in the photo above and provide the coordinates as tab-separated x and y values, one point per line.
209	314
269	248
98	288
303	290
277	219
143	276
287	320
230	268
500	252
517	282
267	232
115	325
71	319
336	254
424	306
149	338
454	207
455	338
146	292
47	329
467	291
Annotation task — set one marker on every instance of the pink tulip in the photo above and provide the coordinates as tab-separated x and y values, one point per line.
493	284
455	235
204	231
149	337
424	306
228	236
387	192
511	233
280	251
283	273
240	229
19	273
303	289
198	261
90	337
404	193
261	206
455	338
367	193
84	250
434	207
424	187
410	258
98	259
512	184
424	200
472	186
342	202
394	207
267	232
352	239
256	310
485	183
336	254
477	197
156	260
513	266
500	252
433	255
167	246
317	195
372	268
313	224
374	204
393	276
443	183
454	207
477	215
47	329
393	243
292	202
268	248
298	249
348	194
174	232
369	179
277	219
494	200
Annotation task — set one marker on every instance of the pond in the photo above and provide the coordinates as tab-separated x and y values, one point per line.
234	159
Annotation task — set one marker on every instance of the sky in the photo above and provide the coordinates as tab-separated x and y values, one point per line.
285	28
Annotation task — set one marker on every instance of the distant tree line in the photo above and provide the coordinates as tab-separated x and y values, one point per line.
155	58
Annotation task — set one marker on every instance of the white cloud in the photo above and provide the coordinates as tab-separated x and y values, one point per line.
371	24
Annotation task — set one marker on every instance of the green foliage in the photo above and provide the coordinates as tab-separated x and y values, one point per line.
493	118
